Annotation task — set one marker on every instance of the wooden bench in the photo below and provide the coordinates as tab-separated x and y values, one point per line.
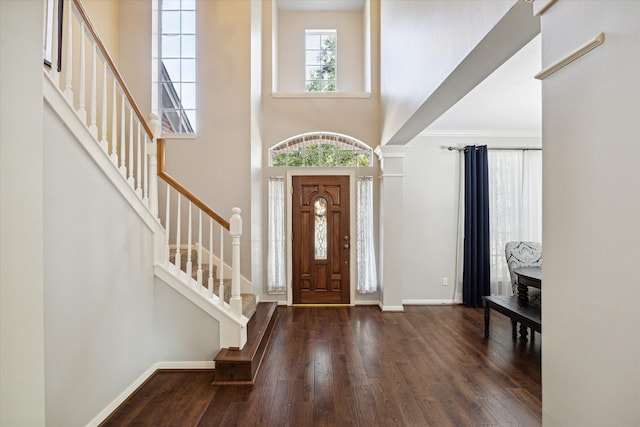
527	315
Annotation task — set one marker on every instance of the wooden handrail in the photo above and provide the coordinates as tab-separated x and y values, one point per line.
182	190
112	65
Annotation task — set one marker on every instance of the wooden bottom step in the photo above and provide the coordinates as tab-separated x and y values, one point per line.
234	366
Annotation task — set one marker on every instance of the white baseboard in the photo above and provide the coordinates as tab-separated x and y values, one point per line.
394	308
368	302
122	397
430	302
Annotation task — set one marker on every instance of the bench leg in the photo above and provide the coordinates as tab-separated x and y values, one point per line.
514	329
486	320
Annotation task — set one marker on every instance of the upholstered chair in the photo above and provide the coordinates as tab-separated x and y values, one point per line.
524	254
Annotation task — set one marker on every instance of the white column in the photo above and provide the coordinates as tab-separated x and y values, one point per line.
235	229
391	226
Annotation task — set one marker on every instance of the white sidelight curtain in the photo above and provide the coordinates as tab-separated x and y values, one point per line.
276	266
515	207
366	258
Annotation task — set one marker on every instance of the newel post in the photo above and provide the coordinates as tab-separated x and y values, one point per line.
235	229
152	153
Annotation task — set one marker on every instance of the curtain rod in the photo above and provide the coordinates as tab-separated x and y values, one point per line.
497	148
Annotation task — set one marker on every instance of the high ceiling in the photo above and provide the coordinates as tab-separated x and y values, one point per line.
508	100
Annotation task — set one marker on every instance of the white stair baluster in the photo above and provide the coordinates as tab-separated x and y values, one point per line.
199	248
189	247
178	259
93	128
114	124
167	247
152	155
103	126
221	267
123	140
82	112
68	91
145	172
210	279
138	162
130	155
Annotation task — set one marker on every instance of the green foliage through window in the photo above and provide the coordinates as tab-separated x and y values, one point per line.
321	149
321	155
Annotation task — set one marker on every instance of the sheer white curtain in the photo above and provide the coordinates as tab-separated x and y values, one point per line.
276	266
366	258
532	195
515	207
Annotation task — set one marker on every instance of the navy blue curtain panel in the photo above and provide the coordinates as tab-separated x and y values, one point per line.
475	276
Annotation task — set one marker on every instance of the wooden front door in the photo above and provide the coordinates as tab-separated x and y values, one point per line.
321	240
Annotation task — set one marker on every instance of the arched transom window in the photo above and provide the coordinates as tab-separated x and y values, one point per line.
321	149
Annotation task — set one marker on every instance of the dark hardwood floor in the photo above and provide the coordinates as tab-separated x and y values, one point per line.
429	366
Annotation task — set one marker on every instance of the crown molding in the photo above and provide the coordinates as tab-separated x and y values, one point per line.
483	133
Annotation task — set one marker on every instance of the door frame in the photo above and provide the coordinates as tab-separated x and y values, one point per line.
352	224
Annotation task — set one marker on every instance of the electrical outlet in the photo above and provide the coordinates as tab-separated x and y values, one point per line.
445	281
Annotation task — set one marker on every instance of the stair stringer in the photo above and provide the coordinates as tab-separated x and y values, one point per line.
233	329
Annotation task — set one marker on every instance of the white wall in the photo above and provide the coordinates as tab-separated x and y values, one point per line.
591	217
183	332
291	48
22	382
431	198
105	16
99	284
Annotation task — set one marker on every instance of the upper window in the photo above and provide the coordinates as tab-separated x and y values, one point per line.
320	63
321	149
178	66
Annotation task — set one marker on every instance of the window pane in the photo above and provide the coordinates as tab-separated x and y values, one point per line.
188	70
312	41
313	72
188	4
173	69
320	211
171	22
191	115
170	46
313	57
189	22
170	4
188	46
188	97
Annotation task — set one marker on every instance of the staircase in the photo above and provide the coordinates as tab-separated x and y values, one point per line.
91	97
249	301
